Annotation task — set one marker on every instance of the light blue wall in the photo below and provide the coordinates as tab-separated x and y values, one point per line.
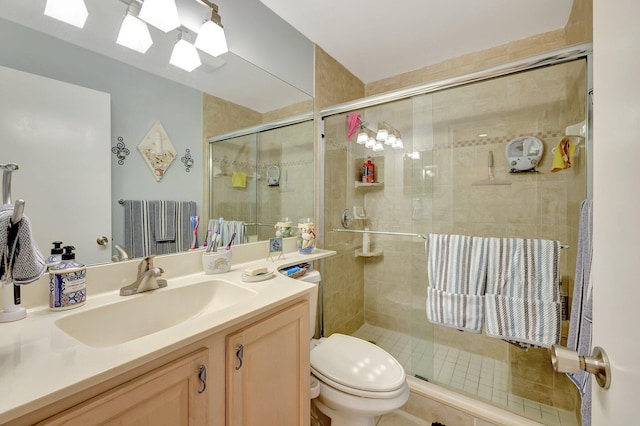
138	100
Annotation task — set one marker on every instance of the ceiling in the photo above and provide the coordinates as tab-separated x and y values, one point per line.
376	39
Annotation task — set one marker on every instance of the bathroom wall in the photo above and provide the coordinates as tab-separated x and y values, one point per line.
343	278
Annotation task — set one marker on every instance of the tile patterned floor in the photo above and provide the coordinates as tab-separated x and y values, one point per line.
474	374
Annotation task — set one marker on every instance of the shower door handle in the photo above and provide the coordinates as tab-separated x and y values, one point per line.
566	360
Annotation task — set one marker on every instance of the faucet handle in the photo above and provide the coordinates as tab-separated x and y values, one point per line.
145	265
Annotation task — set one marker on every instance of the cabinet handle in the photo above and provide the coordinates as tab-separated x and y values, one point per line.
239	354
202	375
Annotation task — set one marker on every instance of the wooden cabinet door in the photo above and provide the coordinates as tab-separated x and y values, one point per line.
268	371
172	395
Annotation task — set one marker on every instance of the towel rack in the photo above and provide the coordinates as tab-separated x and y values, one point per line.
403	234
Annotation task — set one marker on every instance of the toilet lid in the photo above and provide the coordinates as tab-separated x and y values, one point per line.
357	364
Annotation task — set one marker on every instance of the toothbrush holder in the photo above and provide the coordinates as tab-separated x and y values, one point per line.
216	262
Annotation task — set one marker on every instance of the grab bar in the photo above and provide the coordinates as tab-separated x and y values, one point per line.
403	234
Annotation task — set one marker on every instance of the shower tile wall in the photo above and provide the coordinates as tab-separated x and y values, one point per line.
444	128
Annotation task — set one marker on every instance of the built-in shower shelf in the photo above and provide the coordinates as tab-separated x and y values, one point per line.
373	253
369	185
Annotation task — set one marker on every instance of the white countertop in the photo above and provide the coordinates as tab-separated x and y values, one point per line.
41	364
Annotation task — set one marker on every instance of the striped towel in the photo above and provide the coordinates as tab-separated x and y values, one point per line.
229	227
456	265
140	227
523	291
165	220
581	321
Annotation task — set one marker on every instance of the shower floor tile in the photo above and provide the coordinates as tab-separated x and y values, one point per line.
474	374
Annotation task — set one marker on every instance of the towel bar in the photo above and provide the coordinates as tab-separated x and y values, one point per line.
403	234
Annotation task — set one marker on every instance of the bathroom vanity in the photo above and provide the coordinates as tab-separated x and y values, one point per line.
240	357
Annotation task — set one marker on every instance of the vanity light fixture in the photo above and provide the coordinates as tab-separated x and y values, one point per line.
184	53
398	144
134	33
383	132
391	139
363	136
162	14
211	38
73	12
370	143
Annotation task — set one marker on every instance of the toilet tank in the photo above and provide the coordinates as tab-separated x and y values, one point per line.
312	277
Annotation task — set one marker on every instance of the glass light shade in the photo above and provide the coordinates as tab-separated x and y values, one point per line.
390	139
378	147
362	137
185	56
398	144
134	34
211	39
382	135
73	12
371	142
162	14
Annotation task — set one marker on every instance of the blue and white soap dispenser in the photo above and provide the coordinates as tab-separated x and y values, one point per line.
67	282
56	255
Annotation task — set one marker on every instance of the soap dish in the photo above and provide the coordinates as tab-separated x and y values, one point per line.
255	278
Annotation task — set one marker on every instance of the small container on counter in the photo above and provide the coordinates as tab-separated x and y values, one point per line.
216	262
67	282
306	235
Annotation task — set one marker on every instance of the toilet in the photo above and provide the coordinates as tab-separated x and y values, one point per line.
352	380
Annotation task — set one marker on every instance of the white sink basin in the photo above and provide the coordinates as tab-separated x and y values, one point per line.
136	316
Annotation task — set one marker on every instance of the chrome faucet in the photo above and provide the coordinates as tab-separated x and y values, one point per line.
147	278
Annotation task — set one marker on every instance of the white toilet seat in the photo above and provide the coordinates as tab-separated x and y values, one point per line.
356	392
357	367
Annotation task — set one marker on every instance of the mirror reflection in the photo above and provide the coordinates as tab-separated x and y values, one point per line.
263	177
136	101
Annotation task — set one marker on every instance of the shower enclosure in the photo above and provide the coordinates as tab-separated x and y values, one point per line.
439	181
263	174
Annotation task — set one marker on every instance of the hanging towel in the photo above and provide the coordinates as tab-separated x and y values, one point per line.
563	155
165	220
523	291
24	261
229	227
456	267
581	319
353	123
140	227
238	180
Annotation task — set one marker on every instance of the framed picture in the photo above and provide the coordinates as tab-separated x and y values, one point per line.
275	245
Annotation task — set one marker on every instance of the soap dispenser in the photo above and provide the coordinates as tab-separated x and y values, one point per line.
67	282
56	255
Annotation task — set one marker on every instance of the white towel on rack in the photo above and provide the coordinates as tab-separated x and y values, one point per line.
456	267
523	291
28	263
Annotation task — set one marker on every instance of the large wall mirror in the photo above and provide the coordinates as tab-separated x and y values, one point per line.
258	81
